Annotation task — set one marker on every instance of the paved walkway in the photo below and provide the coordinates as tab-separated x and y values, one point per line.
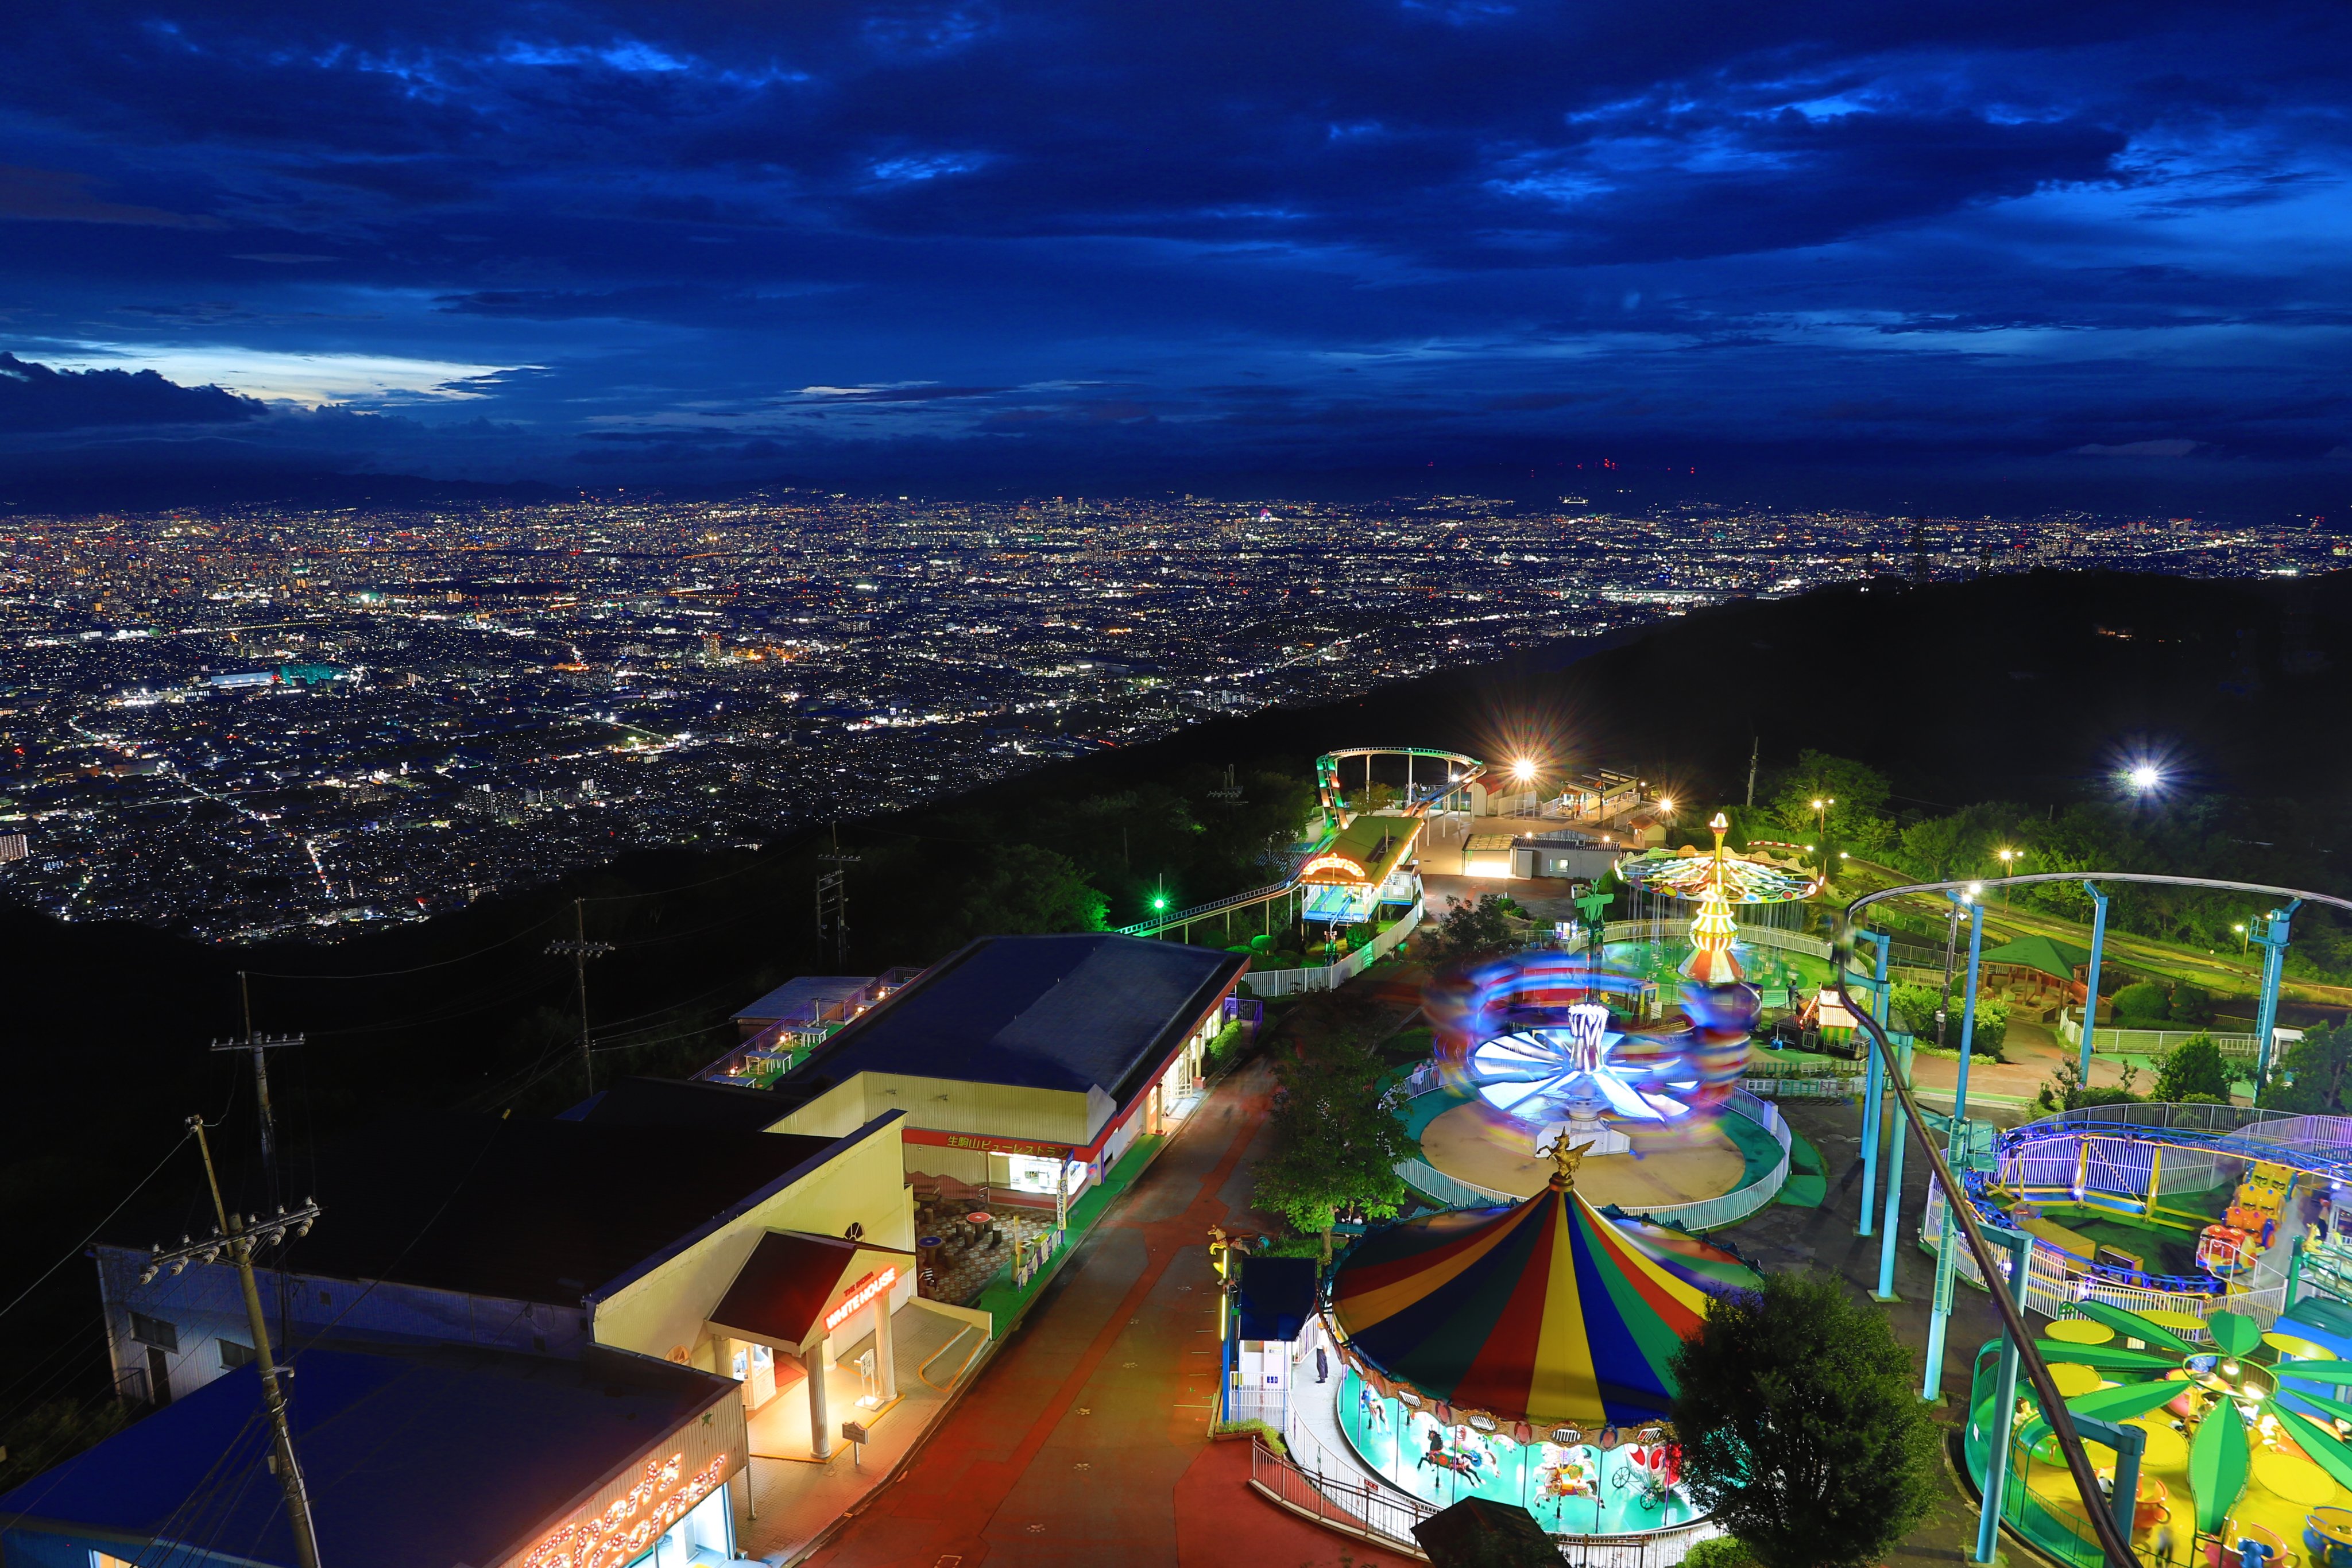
1084	1441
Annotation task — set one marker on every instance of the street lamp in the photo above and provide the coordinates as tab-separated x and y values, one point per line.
2241	929
2008	863
1821	805
2144	776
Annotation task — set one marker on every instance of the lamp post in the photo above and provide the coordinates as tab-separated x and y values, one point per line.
2009	859
1821	805
2241	929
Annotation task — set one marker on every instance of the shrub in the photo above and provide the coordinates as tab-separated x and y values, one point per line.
2192	1005
1719	1551
2142	1004
1253	1428
2194	1067
1991	1030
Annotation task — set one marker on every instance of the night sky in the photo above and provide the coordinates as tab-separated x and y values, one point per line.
1125	243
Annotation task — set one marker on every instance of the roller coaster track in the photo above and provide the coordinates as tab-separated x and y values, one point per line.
1416	803
2095	1507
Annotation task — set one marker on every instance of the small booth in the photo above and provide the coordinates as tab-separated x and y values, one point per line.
1273	1320
797	1303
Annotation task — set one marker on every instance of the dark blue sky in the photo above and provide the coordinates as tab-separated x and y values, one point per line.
1089	245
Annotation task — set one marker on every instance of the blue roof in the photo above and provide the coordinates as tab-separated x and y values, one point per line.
1276	1297
413	1456
1072	1012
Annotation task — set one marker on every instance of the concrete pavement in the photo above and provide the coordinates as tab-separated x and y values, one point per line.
1084	1438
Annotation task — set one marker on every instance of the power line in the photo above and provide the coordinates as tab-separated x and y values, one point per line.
580	950
77	1247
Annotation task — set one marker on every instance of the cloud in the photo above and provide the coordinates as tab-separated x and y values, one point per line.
36	397
56	195
2170	447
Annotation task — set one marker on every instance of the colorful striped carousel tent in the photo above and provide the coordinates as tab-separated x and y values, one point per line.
1544	1312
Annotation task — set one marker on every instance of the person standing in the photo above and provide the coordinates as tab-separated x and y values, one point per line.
1322	1365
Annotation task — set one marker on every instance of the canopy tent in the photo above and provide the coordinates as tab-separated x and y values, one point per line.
1545	1312
2043	953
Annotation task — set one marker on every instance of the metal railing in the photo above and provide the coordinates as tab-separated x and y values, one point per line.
2110	1040
1331	977
1445	1190
1386	1517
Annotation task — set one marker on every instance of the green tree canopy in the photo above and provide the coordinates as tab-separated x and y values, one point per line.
1336	1144
1859	816
1801	1427
2313	1074
1474	930
2195	1066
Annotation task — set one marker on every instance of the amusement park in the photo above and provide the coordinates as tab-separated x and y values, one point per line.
1591	1151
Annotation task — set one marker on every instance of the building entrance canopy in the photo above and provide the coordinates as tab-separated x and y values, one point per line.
796	1288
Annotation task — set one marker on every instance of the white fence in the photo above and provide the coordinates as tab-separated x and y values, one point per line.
1668	928
2109	1040
1331	977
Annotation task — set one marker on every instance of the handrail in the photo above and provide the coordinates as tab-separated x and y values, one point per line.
2112	1544
924	1371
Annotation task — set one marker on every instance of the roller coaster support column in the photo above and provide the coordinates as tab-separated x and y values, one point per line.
1873	1091
2091	981
2272	935
1956	1152
1885	1291
2003	1409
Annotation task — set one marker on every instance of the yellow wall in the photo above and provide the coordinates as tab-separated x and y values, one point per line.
667	1306
948	1105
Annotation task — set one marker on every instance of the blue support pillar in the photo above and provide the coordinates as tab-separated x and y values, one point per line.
1900	1126
2003	1409
2272	934
1939	1309
1873	1090
2091	983
2128	1442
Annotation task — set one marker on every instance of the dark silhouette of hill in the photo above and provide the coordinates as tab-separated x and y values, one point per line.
2032	689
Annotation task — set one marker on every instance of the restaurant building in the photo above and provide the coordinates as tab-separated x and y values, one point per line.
1023	1064
624	1225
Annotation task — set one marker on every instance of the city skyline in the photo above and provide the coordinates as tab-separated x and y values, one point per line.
263	723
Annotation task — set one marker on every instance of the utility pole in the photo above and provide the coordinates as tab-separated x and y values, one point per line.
582	950
833	899
239	1242
1754	746
261	1046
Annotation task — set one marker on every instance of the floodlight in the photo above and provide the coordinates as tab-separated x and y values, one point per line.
1523	769
2145	775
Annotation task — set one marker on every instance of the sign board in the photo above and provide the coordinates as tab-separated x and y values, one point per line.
860	1295
1334	862
854	1432
986	1144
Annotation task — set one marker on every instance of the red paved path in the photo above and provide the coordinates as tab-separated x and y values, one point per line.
1085	1440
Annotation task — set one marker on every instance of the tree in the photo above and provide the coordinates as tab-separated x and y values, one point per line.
2193	1067
1475	930
2313	1075
2143	1003
1860	791
1336	1143
1019	889
1801	1427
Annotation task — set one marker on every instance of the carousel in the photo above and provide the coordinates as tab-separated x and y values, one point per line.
1521	1354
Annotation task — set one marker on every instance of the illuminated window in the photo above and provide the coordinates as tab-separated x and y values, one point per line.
1031	1175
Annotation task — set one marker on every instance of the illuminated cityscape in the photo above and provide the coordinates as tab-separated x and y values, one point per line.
255	723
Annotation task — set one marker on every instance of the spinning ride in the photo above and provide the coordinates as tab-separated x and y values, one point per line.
1521	1354
2242	1458
1717	880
